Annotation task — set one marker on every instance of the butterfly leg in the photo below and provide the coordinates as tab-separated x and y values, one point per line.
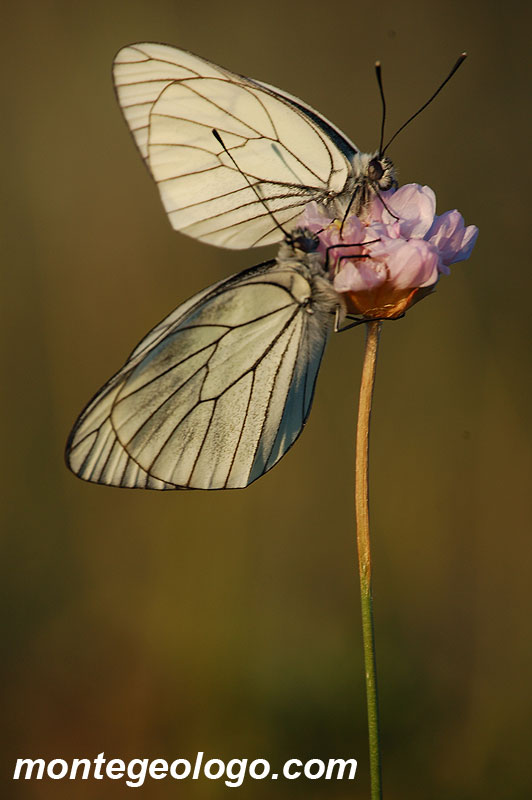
359	320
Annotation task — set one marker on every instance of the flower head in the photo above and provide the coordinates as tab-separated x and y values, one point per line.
393	256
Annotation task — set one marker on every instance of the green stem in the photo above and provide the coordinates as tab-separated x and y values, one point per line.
373	330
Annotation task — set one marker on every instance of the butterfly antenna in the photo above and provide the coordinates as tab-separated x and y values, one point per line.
459	62
251	185
383	101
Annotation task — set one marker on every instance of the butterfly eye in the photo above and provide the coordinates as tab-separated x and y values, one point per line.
375	170
305	240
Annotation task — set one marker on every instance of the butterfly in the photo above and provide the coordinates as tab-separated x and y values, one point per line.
220	389
277	154
217	392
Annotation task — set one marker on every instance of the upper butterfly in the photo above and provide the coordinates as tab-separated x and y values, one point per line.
285	154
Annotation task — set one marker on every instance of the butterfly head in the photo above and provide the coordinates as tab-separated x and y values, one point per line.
300	248
372	173
303	240
380	173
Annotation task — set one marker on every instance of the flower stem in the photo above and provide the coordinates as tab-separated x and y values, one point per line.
373	330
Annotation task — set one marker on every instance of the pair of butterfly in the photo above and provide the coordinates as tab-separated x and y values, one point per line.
218	391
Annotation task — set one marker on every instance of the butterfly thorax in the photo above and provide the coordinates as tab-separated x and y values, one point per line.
372	174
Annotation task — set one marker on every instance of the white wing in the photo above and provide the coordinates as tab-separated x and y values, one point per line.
172	100
216	393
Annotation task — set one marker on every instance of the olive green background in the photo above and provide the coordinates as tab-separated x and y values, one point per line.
160	624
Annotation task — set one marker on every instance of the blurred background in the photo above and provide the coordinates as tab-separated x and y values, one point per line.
160	624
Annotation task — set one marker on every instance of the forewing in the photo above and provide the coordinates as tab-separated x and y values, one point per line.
214	396
172	100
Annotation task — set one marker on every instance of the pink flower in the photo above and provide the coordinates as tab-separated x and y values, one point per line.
395	254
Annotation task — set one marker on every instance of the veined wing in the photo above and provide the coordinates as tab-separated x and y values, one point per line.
172	100
216	394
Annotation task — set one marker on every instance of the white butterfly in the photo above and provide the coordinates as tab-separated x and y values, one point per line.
172	100
218	391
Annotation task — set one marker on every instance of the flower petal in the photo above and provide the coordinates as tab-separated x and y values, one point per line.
314	218
363	276
415	206
453	240
412	263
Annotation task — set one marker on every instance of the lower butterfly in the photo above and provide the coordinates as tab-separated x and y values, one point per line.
218	392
